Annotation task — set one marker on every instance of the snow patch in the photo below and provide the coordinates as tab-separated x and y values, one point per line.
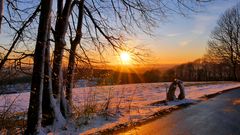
126	103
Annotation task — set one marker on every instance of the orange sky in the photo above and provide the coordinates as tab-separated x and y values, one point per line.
180	39
177	40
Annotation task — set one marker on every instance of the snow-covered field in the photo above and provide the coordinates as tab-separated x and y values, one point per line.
113	105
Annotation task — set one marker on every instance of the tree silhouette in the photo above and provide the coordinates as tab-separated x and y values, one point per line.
224	43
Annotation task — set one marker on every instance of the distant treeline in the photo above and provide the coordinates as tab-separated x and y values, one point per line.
9	76
198	70
201	70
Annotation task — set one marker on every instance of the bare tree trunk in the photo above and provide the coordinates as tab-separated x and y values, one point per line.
47	111
71	66
70	76
235	78
233	59
57	69
51	109
60	43
1	13
35	105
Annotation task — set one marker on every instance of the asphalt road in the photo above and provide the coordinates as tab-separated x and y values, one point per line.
217	116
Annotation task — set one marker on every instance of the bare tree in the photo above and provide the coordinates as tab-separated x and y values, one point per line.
224	42
35	104
101	22
71	62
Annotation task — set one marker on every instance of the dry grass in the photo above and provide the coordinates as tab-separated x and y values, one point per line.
11	122
87	109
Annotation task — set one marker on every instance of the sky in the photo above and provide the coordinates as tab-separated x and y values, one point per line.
178	39
183	39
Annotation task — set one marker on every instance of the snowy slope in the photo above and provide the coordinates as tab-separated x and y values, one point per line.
129	102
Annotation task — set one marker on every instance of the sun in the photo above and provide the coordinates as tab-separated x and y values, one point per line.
125	57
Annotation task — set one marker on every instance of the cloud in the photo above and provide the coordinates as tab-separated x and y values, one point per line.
173	34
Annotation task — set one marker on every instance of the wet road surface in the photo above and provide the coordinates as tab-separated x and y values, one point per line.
217	116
